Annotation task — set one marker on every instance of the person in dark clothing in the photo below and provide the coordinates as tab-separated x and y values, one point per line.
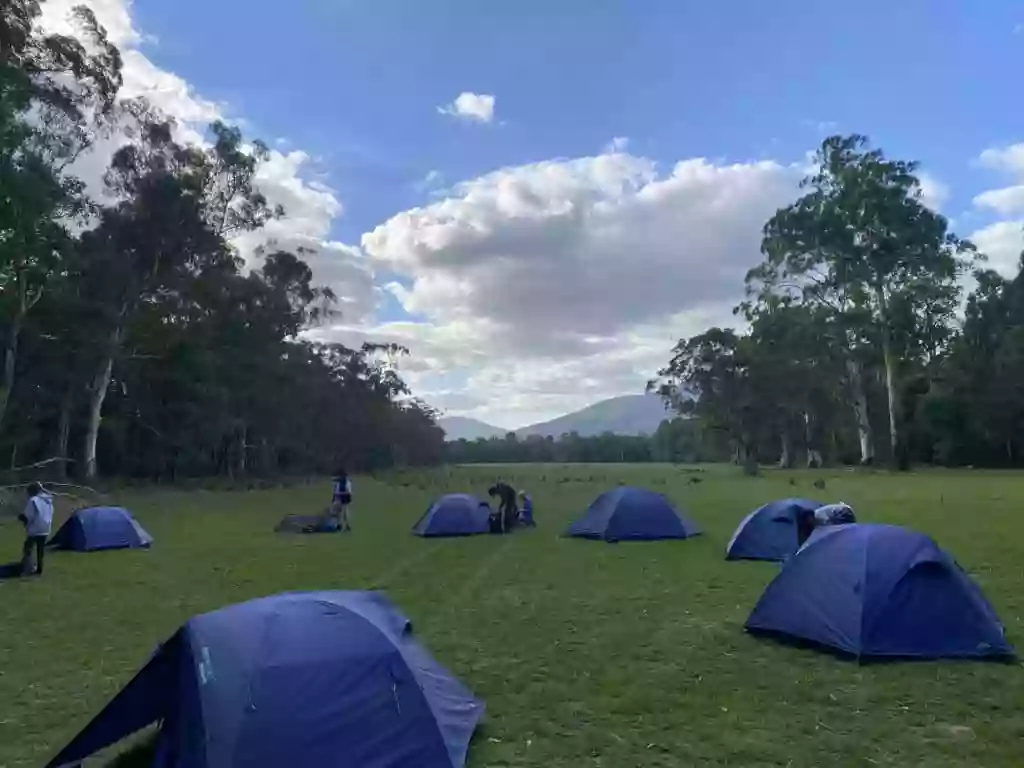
507	509
804	525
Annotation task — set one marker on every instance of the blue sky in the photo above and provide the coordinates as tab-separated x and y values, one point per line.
356	85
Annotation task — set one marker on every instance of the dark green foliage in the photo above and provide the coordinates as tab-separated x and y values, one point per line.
138	345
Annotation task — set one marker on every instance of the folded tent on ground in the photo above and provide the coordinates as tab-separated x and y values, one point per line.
872	590
299	679
632	514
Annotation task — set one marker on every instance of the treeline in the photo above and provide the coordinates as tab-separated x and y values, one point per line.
136	341
676	440
855	350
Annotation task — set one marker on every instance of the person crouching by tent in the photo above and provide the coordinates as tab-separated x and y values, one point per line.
526	510
507	509
804	525
341	499
37	518
840	513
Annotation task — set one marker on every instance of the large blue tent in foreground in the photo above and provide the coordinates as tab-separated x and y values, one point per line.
769	532
457	514
874	590
300	679
95	528
632	514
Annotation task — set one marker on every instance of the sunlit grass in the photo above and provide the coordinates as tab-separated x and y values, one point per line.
587	654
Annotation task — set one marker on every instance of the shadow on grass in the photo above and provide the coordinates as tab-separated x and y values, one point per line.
139	755
783	639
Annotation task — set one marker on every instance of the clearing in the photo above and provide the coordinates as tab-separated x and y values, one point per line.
587	654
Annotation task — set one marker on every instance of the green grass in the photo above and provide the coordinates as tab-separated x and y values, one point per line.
587	654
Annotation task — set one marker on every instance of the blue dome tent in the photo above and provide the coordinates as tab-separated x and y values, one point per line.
300	679
627	513
874	590
769	532
457	514
95	528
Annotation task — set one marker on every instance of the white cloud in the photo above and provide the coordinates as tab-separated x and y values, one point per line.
287	178
934	193
1006	201
617	144
1003	243
1009	200
1008	159
476	107
551	285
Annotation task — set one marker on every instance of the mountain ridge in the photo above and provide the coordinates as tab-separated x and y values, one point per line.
623	415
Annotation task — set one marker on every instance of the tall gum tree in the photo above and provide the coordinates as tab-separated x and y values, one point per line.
860	243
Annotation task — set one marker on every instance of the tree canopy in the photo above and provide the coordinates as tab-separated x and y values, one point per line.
854	328
137	340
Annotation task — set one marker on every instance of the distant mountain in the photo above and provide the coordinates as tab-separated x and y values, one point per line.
626	415
460	427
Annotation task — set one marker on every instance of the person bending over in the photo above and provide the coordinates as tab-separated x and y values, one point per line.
507	508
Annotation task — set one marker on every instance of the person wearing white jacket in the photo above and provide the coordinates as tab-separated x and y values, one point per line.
37	518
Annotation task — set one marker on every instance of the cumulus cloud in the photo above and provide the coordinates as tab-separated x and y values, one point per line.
474	107
617	144
557	252
1003	241
1009	161
287	179
934	193
584	272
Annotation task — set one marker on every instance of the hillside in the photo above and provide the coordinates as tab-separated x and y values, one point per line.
460	427
626	415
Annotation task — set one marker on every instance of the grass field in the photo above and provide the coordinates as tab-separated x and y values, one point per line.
587	654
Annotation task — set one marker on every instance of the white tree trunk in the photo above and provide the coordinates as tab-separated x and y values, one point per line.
814	459
97	395
60	447
786	457
860	411
891	393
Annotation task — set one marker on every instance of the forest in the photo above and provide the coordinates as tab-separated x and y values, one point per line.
677	440
137	341
870	333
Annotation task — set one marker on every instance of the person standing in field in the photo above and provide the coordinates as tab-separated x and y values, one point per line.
526	510
37	518
341	499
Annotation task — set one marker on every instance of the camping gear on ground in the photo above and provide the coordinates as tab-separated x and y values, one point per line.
873	590
326	523
627	513
94	528
456	514
298	679
839	513
770	532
